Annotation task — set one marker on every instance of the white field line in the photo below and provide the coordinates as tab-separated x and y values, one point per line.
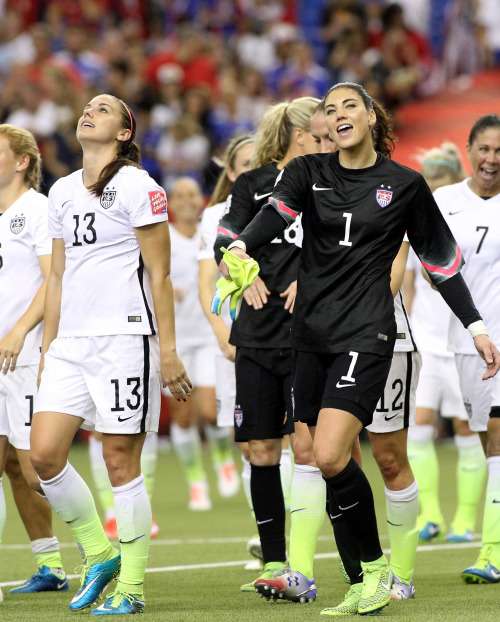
426	548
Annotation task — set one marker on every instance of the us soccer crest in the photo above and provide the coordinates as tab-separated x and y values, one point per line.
238	416
17	224
384	197
108	198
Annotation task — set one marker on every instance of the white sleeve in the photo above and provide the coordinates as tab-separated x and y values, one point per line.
208	234
54	221
43	241
146	201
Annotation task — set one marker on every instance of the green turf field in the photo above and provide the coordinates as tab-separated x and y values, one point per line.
196	563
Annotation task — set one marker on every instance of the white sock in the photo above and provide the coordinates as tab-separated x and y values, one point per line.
286	474
245	478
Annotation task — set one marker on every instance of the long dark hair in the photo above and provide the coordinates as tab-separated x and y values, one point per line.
128	154
383	139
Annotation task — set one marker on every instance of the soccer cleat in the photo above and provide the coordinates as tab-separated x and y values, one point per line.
459	535
349	606
267	573
94	581
287	584
254	547
111	529
483	570
228	481
429	531
45	580
401	590
120	603
377	583
199	501
155	530
343	572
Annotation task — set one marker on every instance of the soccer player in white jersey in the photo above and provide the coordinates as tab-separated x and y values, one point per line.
197	345
236	160
25	249
439	387
472	210
108	344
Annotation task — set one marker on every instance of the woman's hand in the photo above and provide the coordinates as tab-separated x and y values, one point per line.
239	253
489	352
10	347
256	295
174	376
290	294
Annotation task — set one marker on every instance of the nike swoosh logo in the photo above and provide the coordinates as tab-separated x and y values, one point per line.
130	541
348	507
394	524
453	213
318	189
334	517
120	419
261	522
298	510
62	585
496	575
496	500
79	595
348	384
387	585
387	418
258	197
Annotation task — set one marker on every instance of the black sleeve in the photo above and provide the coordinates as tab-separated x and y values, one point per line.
233	222
457	296
430	236
264	227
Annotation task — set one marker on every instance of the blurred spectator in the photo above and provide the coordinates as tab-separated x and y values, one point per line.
488	15
302	76
168	105
183	150
79	56
16	46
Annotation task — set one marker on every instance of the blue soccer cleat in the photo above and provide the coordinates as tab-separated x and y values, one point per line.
120	603
429	531
94	581
45	580
287	584
483	570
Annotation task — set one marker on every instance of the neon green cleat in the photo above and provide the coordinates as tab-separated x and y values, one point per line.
349	606
377	583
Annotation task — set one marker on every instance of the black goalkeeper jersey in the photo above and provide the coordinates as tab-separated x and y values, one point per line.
268	327
354	221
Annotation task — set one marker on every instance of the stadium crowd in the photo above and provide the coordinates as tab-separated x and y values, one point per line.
198	72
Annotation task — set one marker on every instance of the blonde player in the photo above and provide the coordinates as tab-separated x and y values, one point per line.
109	298
25	249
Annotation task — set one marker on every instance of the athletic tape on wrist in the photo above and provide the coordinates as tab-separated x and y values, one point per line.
477	328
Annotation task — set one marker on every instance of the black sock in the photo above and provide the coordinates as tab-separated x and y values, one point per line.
346	545
353	496
269	508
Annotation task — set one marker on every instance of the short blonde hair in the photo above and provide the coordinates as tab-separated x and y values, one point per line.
275	130
440	161
23	143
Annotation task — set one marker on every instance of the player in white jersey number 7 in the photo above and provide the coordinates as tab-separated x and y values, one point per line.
108	344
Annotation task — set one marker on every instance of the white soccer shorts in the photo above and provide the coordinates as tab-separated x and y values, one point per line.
113	382
396	409
478	395
17	395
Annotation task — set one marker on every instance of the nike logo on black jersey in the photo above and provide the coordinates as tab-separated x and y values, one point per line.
315	187
453	213
387	418
347	384
258	197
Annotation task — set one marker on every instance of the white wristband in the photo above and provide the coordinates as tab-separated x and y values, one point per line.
477	328
238	244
